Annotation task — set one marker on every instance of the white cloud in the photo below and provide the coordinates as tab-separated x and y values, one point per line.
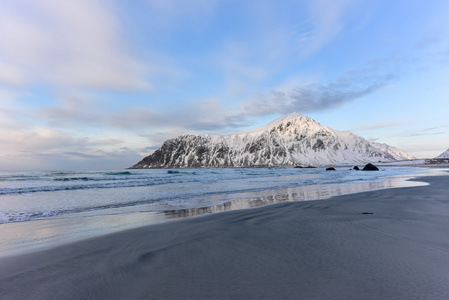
73	110
313	97
276	37
38	139
24	43
47	148
69	43
378	125
11	75
324	24
6	97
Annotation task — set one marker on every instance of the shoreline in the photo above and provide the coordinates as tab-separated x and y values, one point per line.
382	244
41	234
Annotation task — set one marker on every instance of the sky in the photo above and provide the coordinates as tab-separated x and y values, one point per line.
99	84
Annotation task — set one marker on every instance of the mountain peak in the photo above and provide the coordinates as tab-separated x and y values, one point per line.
295	117
289	140
290	116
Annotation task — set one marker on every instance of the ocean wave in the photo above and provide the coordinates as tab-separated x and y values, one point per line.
55	188
73	179
118	178
120	173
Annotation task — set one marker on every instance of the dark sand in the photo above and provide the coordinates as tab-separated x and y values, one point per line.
386	244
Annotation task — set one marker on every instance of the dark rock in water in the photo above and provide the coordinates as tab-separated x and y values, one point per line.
370	167
366	213
308	167
356	168
330	169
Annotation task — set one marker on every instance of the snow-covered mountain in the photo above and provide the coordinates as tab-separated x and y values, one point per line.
290	140
398	154
445	154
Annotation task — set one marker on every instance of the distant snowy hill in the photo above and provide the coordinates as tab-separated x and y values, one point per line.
445	154
290	140
395	152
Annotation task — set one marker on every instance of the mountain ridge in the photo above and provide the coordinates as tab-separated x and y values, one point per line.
289	140
445	154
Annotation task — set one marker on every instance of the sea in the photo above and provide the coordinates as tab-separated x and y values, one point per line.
39	209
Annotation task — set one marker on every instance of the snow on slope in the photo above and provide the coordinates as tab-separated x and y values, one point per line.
290	140
395	152
445	154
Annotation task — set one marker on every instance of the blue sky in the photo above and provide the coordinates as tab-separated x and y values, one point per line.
99	84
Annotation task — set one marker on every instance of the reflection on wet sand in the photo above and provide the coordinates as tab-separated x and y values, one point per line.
302	193
22	237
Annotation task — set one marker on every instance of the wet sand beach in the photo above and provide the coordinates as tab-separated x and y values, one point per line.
384	244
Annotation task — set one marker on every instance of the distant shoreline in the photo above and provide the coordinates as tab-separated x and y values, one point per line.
443	163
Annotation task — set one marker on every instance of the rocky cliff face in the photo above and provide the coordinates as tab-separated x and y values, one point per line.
398	154
289	140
